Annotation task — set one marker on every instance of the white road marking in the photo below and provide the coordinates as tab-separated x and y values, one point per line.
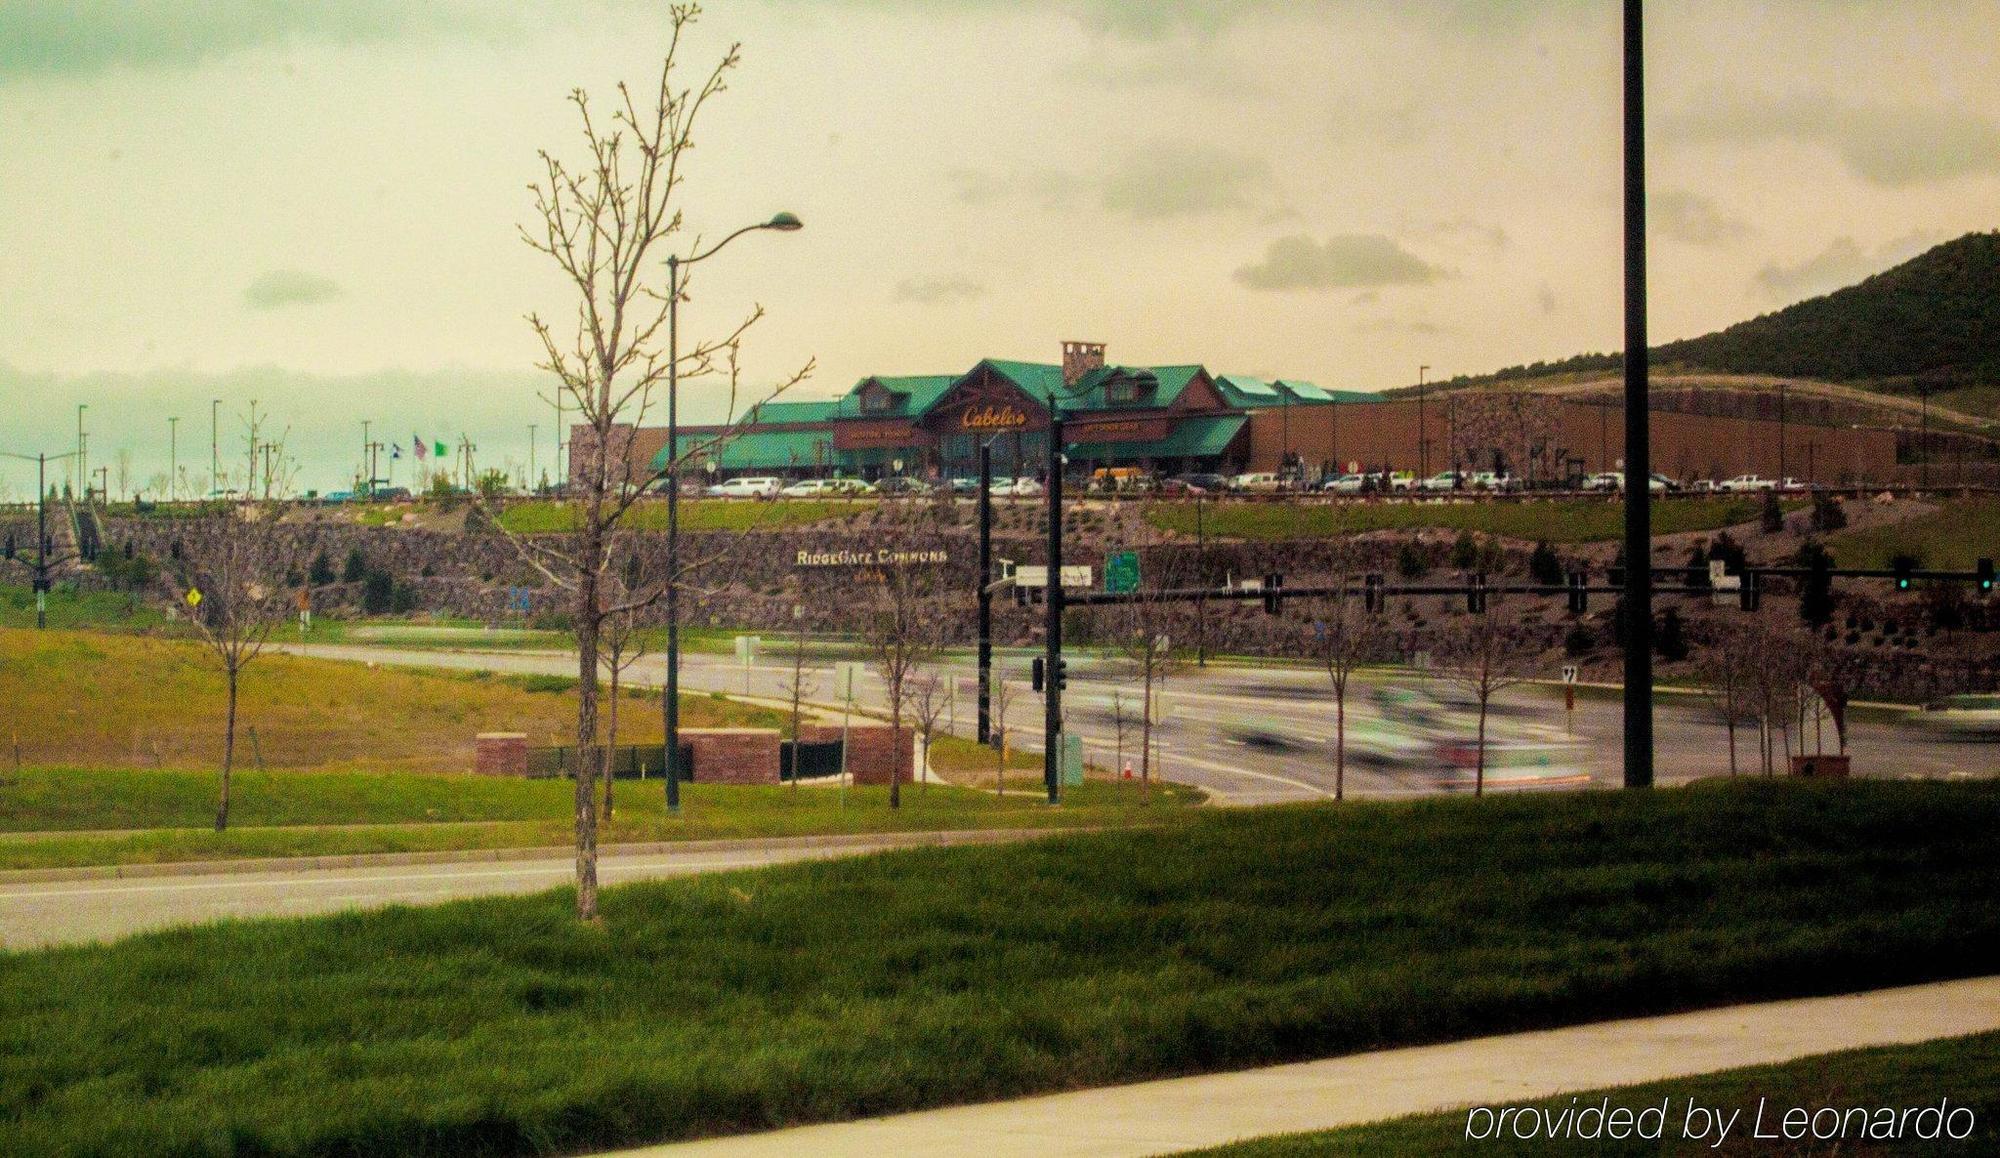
521	868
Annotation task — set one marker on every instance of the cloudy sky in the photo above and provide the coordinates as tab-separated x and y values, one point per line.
315	203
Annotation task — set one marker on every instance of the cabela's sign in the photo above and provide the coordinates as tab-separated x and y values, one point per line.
880	557
992	417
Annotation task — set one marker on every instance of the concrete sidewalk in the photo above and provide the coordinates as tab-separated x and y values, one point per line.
1185	1113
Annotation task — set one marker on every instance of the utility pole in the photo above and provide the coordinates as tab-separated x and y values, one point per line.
985	592
368	454
530	488
1052	674
1638	446
1423	442
173	457
214	446
1781	434
1924	442
82	476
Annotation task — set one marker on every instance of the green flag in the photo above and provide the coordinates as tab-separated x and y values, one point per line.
442	450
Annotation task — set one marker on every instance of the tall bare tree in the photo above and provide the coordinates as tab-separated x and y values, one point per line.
1345	636
1727	669
1003	696
607	224
1144	642
800	682
1478	654
230	577
929	693
623	645
904	632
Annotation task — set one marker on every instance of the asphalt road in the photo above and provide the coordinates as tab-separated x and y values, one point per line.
1256	735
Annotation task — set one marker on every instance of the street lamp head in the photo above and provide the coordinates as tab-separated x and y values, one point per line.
785	222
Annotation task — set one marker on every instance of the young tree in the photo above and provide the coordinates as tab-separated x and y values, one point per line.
929	693
903	633
623	646
1345	636
1141	635
229	577
606	225
1002	697
800	682
1727	670
1478	654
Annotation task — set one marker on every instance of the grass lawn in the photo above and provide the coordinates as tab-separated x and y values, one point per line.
1557	520
324	814
1953	537
928	977
1964	1069
79	698
695	514
112	610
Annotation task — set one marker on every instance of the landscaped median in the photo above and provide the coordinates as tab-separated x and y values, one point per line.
819	991
66	817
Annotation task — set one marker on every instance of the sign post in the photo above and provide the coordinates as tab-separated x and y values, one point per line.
1569	698
746	654
845	676
1121	572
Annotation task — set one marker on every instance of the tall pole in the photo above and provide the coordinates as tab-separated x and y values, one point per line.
1638	448
42	541
1052	663
173	457
530	488
214	446
368	454
82	476
1924	442
672	705
1781	434
985	594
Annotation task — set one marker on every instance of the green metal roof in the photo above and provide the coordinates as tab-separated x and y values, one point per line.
1302	391
756	450
919	392
1092	391
1038	379
1191	438
1243	390
800	411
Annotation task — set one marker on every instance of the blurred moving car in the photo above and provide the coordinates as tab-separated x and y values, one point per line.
1747	482
901	486
1017	488
962	486
749	487
813	488
1259	483
1966	717
1212	484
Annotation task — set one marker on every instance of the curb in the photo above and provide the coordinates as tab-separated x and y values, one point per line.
870	841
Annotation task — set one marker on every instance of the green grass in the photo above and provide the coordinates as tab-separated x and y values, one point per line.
1953	537
82	698
1557	520
1965	1070
69	608
938	976
326	814
695	514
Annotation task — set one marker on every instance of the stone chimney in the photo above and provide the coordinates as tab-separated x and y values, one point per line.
1080	358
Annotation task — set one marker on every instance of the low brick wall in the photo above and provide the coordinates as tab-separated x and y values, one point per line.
872	748
501	754
733	755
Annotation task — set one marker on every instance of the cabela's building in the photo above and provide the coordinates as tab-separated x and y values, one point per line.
1163	418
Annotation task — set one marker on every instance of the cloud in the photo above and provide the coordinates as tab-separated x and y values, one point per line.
289	287
933	291
1416	326
1050	189
1840	264
1881	144
1344	261
1167	180
1693	219
1545	298
82	37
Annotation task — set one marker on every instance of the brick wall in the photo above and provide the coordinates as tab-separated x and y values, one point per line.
873	749
501	754
733	755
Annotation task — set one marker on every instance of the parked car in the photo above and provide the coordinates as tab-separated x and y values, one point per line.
1343	484
962	486
1018	488
1614	480
748	487
902	486
815	488
390	494
1255	484
1444	480
1212	484
1747	482
1487	480
1178	486
338	497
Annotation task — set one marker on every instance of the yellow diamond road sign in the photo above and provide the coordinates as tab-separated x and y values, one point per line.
194	597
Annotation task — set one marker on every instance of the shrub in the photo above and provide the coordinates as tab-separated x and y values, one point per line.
1827	515
1544	567
1465	552
1670	636
1816	587
377	592
356	569
1771	516
1581	640
321	572
1411	562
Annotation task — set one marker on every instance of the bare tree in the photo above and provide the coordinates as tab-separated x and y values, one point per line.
1149	656
1121	724
1727	669
623	645
230	576
903	631
929	693
1002	697
1478	654
800	682
1344	637
605	224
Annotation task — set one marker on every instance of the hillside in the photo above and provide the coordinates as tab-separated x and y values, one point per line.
1932	323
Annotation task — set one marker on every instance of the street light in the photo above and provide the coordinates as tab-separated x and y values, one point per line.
82	478
41	581
214	446
173	457
783	223
1423	440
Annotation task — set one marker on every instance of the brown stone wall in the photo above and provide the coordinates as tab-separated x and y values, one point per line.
501	754
1537	436
871	748
733	755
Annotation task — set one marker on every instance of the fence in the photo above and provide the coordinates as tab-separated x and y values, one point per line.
628	762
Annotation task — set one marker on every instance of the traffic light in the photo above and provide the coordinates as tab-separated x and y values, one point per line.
1749	594
1985	576
1274	586
1475	592
1062	675
1035	674
1902	567
1579	592
1371	592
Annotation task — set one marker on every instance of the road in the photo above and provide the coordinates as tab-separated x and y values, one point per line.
67	912
1258	735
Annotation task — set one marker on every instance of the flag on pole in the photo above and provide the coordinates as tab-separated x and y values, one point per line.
417	441
395	452
440	449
